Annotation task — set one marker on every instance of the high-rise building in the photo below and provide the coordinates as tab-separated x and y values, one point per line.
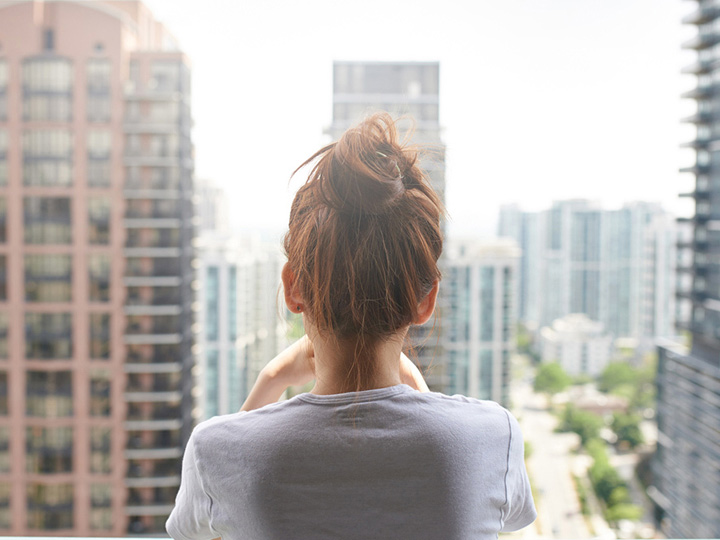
615	266
410	92
239	317
687	461
95	267
480	315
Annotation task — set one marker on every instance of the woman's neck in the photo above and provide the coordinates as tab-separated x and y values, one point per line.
334	359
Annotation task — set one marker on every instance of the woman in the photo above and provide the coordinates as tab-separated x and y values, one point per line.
368	452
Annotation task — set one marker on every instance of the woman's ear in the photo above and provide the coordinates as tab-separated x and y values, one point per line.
427	304
292	298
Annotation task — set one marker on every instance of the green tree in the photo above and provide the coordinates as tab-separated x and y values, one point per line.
627	429
615	375
623	511
605	479
584	423
551	379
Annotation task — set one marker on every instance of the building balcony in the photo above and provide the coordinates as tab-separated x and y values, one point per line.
699	67
697	168
149	510
152	339
166	365
149	125
702	41
151	482
152	281
153	425
155	223
702	15
700	92
161	194
162	309
154	453
699	118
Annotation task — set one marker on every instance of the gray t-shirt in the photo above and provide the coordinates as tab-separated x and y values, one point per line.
386	463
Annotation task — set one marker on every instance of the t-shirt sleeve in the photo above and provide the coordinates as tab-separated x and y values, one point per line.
519	509
190	519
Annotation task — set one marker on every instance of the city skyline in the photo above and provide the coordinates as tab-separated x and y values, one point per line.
593	113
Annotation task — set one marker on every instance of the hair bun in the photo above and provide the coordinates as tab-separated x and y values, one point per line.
366	168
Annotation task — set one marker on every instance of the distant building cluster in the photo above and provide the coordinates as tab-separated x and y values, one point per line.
615	266
239	324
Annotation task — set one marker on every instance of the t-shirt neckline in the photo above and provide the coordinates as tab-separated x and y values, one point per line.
356	397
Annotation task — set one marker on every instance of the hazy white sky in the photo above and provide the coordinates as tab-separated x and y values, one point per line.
539	99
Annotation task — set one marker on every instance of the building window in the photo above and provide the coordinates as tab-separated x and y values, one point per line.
3	89
99	145
487	303
48	450
47	158
99	276
50	506
212	382
3	152
99	220
5	522
101	507
3	288
48	335
212	294
3	220
164	76
100	335
47	90
100	393
47	220
100	439
3	393
48	278
232	304
3	334
98	90
49	394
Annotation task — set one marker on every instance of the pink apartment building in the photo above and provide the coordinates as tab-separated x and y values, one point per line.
95	268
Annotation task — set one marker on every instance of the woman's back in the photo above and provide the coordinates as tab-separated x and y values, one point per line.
384	463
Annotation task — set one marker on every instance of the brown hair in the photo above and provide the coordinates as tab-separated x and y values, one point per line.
364	239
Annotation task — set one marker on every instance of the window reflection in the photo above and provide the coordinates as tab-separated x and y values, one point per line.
98	90
100	393
50	506
47	220
47	89
100	507
47	158
99	276
48	278
5	522
3	393
3	149
99	220
100	439
100	335
48	335
48	450
49	394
